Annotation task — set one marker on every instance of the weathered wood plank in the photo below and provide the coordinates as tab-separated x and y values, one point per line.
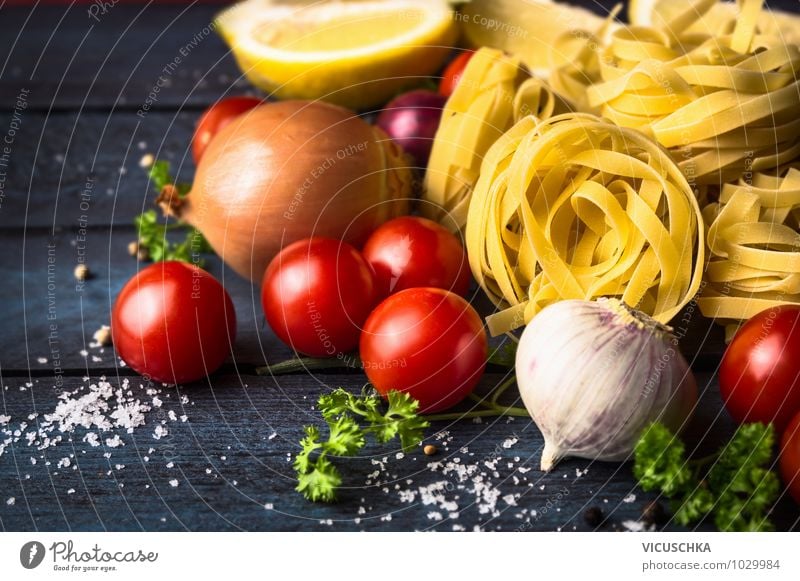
231	458
78	310
68	59
54	316
69	168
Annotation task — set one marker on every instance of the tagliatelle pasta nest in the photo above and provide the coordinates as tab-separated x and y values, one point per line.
576	207
493	93
754	248
721	104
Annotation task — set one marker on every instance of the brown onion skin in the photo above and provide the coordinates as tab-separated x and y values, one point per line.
290	170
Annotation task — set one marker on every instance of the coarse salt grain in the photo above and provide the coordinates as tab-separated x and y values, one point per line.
173	483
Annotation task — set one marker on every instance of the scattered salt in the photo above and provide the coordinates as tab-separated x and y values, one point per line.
510	442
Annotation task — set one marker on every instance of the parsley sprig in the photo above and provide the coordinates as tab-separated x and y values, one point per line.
350	419
153	233
735	485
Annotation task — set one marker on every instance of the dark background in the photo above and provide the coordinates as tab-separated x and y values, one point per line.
84	82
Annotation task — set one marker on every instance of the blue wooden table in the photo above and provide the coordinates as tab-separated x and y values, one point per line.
216	455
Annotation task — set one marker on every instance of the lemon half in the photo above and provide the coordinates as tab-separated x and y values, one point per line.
355	53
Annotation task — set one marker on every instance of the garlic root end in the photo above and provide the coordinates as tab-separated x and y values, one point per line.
550	457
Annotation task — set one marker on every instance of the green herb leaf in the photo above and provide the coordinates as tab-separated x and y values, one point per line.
346	437
350	418
745	487
738	489
695	506
660	461
320	483
401	419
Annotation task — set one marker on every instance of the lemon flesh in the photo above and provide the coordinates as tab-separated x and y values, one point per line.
355	53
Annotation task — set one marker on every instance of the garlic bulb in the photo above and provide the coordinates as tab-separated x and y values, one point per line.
594	374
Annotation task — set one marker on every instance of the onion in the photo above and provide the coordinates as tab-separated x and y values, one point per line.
593	375
412	120
289	170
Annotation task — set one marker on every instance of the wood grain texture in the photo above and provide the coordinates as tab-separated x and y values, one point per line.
35	259
69	60
86	80
38	294
60	160
228	466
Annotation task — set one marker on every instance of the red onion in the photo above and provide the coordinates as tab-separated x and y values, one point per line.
412	120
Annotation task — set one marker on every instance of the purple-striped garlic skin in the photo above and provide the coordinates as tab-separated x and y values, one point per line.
594	374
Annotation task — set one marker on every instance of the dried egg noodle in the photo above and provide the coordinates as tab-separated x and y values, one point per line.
754	247
493	92
575	207
719	103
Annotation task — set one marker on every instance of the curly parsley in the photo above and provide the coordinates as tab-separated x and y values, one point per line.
735	485
350	419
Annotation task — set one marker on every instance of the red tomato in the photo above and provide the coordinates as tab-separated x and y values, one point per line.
215	118
790	458
425	341
173	322
759	377
316	295
453	72
410	252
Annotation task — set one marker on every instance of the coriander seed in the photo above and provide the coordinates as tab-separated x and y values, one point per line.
82	272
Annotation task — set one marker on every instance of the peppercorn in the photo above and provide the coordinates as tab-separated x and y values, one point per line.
654	514
430	450
594	516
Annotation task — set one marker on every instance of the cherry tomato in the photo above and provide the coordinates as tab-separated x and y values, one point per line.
453	72
215	118
759	377
316	295
425	341
173	322
410	252
790	458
